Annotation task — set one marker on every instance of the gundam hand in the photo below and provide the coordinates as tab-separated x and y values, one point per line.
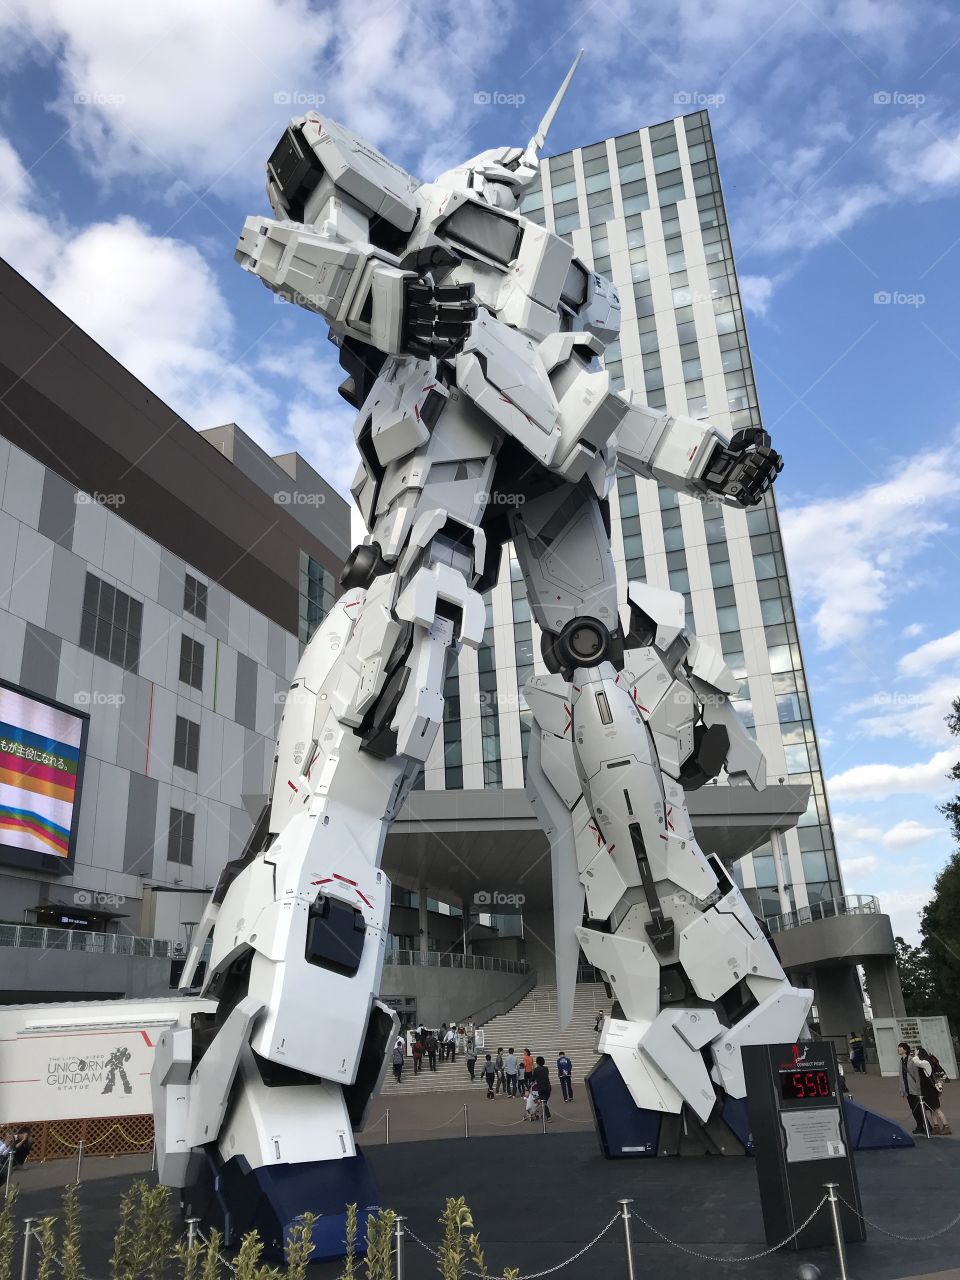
744	469
437	318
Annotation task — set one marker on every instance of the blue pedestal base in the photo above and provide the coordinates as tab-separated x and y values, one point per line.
628	1131
235	1199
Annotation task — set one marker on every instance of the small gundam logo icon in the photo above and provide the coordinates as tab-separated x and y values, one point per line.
114	1066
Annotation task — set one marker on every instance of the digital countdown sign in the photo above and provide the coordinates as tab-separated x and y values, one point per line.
795	1085
42	747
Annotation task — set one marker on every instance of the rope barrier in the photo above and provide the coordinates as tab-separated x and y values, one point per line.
533	1275
750	1257
223	1261
893	1234
94	1142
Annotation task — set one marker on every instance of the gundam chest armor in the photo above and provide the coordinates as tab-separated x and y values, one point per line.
470	338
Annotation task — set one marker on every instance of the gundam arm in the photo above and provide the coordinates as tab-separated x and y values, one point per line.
693	457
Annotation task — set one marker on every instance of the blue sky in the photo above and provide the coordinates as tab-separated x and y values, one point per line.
132	142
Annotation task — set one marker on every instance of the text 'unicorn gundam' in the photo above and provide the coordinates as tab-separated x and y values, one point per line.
470	338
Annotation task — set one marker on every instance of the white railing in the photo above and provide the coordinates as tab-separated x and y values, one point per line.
854	904
41	938
456	960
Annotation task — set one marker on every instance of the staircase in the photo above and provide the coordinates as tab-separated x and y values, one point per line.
531	1023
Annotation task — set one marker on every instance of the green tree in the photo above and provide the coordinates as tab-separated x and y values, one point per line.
916	978
940	927
951	810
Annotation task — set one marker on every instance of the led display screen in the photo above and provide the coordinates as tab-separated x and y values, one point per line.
41	767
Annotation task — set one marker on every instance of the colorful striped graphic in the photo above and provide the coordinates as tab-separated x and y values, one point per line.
39	765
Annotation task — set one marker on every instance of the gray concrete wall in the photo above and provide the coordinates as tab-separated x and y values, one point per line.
32	975
853	938
446	995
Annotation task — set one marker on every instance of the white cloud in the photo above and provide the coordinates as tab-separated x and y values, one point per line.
856	868
912	630
847	556
881	780
904	908
921	152
909	832
920	714
932	654
756	292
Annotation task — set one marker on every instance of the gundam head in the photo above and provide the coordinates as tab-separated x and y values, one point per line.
500	175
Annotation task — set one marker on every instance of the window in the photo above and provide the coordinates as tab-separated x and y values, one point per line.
180	839
186	744
110	623
191	662
195	597
317	594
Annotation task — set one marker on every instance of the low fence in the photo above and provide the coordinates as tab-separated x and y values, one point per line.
455	960
100	1135
43	938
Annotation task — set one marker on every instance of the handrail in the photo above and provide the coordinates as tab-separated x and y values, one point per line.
45	938
852	904
455	960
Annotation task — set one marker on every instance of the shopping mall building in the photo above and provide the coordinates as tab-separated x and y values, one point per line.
150	635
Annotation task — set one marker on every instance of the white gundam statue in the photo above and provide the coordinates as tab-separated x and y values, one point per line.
470	337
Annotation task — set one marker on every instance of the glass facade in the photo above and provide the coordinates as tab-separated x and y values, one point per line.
647	210
318	589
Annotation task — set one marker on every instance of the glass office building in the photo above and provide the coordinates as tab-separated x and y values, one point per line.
647	210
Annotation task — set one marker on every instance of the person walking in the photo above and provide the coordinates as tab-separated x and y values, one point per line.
540	1083
565	1076
471	1059
432	1050
489	1074
930	1094
450	1044
510	1068
397	1062
910	1086
417	1054
857	1058
598	1021
498	1069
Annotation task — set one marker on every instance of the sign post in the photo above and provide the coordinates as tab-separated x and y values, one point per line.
800	1141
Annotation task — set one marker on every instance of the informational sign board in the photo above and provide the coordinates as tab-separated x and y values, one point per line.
42	747
81	1060
800	1140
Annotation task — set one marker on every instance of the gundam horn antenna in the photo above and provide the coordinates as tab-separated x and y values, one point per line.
534	146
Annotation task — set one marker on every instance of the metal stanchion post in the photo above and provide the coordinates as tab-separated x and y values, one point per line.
627	1238
6	1192
27	1237
193	1225
386	1116
926	1123
399	1246
831	1190
543	1116
153	1158
79	1161
466	1122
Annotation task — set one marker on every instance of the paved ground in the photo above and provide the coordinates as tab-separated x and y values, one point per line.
537	1199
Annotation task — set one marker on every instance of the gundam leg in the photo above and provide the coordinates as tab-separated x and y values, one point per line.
257	1103
692	975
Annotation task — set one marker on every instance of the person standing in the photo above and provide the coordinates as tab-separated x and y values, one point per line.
565	1076
540	1081
510	1068
450	1043
857	1057
527	1070
489	1074
432	1050
397	1062
498	1069
471	1059
598	1022
910	1086
930	1094
417	1055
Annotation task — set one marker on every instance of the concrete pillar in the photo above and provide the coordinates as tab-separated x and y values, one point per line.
839	1000
883	988
538	945
423	920
466	922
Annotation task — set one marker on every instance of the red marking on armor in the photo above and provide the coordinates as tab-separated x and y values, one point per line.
506	400
569	724
610	848
597	834
325	880
416	413
691	453
669	823
637	702
576	688
351	604
617	681
292	785
338	876
365	899
662	836
430	387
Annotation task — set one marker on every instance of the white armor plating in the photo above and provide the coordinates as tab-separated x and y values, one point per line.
470	338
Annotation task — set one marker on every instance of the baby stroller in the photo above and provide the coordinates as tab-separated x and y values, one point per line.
533	1107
